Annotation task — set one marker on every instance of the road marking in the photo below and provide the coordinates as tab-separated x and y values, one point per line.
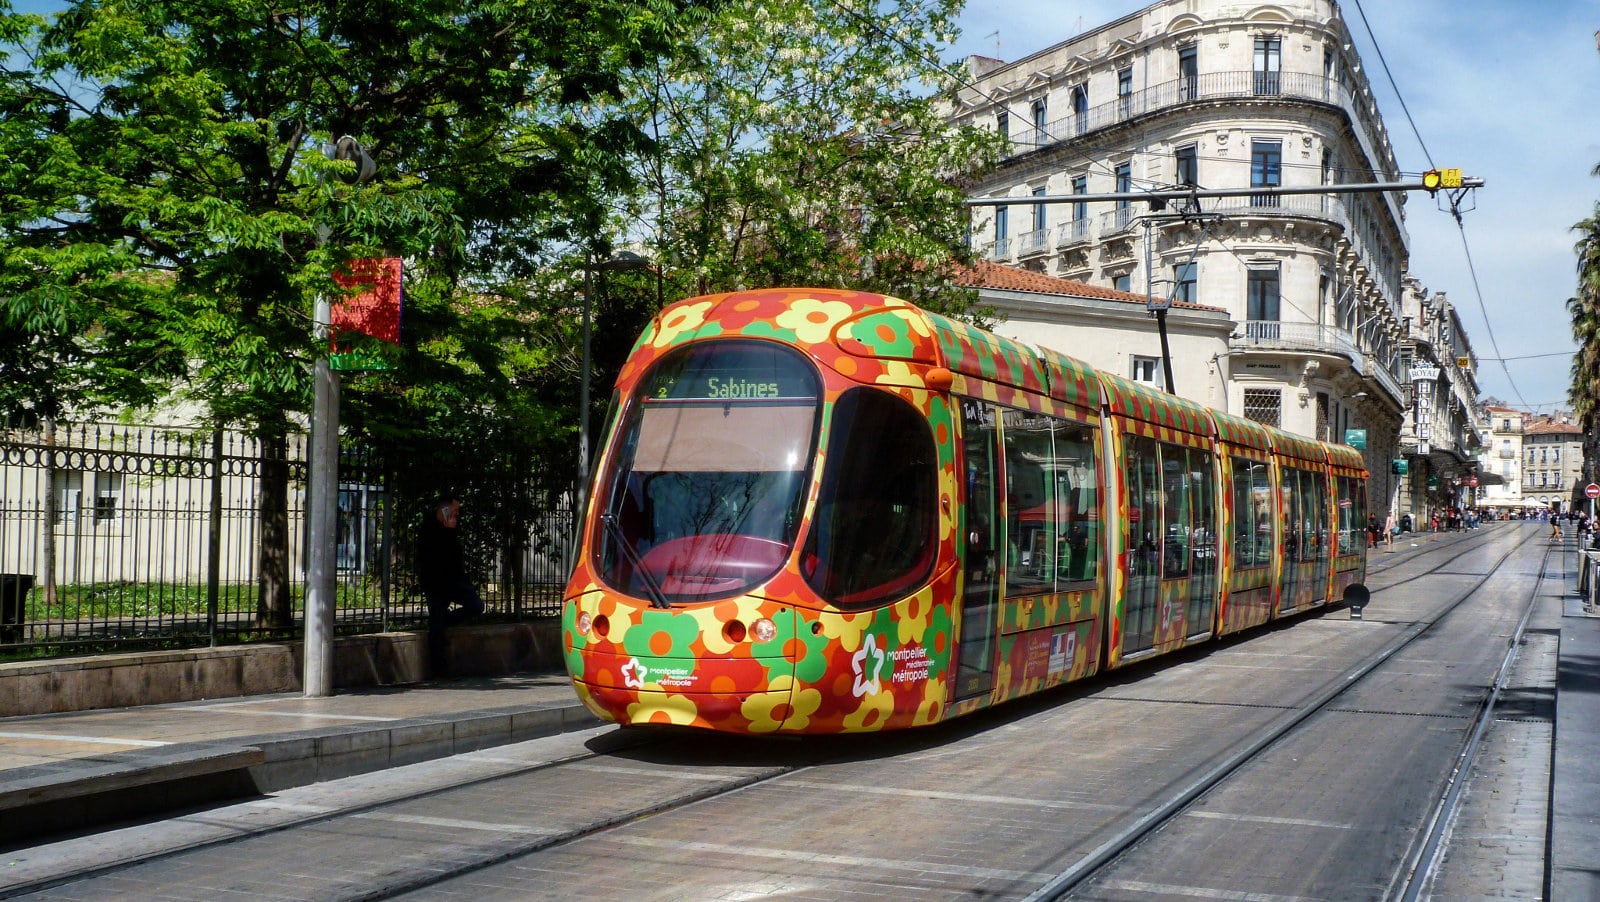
953	796
239	709
812	857
1262	819
95	740
291	807
651	772
1201	892
453	823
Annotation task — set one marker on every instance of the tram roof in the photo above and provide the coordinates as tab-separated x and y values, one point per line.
1291	445
1136	401
1242	432
1347	457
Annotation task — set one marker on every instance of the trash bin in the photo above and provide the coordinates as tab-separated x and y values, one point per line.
14	589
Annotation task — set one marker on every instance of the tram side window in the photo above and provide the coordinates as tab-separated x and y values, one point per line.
1034	516
1078	482
873	536
1175	491
1051	494
1252	512
1290	480
1347	511
1203	539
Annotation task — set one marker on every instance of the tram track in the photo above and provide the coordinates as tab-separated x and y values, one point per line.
1110	852
624	751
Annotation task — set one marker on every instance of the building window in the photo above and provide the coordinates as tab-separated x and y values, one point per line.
1264	405
1188	165
1183	277
1002	124
1080	108
1080	210
67	488
1148	371
1188	72
1261	302
1000	224
1039	122
1266	170
1125	91
1038	211
1122	282
1124	184
107	493
1505	426
1268	64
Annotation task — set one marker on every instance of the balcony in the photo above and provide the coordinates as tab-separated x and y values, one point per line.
1211	86
1034	242
1273	335
1073	231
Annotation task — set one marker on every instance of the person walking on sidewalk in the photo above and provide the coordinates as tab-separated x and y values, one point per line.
1555	526
1390	527
442	573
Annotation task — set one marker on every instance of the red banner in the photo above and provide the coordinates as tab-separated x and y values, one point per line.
374	311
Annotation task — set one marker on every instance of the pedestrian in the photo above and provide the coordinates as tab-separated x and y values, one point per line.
1372	530
1555	526
1390	527
442	575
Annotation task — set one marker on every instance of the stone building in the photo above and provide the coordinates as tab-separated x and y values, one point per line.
1211	94
1552	460
1441	434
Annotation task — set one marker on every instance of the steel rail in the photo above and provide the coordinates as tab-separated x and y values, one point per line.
1424	863
1114	847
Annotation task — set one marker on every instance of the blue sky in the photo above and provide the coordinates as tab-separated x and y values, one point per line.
1506	90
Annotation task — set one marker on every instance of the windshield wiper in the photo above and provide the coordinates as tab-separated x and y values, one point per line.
658	598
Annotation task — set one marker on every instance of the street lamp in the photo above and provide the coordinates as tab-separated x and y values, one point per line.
621	261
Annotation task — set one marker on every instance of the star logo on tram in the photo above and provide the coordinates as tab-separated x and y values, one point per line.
633	674
866	674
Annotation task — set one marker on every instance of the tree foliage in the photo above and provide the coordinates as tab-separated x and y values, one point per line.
802	144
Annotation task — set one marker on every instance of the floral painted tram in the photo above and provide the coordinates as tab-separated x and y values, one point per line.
823	511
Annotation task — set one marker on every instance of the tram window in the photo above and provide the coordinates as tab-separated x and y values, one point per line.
1347	509
873	535
1290	486
1175	491
1203	538
1323	539
1252	513
1034	518
710	471
1078	482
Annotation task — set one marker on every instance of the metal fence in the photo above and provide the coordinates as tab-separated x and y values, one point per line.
113	535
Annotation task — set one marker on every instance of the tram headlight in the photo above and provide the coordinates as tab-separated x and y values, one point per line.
733	631
584	622
764	630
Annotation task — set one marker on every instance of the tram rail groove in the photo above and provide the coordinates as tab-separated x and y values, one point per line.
1424	864
1114	847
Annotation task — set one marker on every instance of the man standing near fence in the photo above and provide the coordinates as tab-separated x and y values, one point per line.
441	571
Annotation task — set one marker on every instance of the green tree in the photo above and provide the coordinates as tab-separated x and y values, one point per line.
802	144
1584	308
169	212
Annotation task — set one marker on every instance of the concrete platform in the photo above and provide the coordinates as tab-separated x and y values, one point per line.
73	771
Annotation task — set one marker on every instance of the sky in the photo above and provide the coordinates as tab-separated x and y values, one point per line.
1507	91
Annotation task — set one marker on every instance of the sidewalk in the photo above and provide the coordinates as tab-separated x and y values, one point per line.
61	772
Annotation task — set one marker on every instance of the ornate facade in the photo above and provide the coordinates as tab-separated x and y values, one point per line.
1217	95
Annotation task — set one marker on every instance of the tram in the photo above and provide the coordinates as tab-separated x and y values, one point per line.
824	511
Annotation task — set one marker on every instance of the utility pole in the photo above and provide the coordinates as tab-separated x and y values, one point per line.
324	478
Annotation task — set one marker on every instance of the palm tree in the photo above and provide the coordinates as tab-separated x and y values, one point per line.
1584	309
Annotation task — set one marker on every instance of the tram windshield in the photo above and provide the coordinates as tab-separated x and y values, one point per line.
715	452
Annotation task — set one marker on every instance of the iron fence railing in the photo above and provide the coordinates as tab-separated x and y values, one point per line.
113	535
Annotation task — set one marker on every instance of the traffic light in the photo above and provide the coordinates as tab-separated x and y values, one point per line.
1430	180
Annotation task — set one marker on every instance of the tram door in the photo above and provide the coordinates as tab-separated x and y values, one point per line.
1142	475
980	599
